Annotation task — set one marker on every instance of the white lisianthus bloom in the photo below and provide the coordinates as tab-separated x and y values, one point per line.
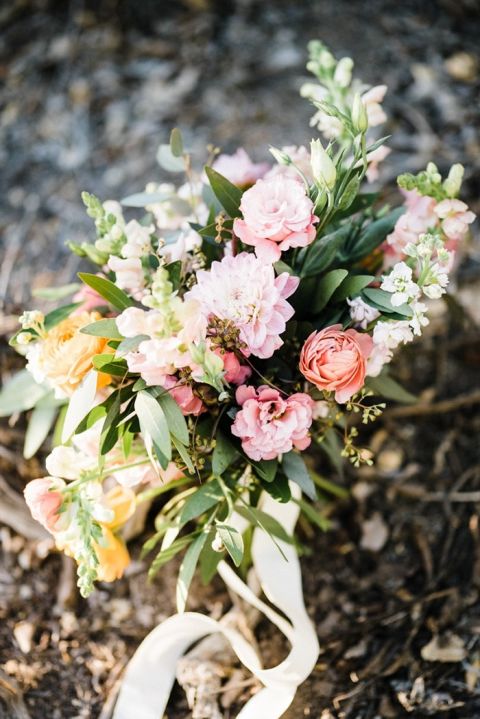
362	313
400	283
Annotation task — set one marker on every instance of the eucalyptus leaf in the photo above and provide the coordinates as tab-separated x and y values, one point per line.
20	393
168	161
56	293
175	420
80	404
224	454
176	142
318	256
351	287
204	498
39	425
153	422
232	539
103	328
54	317
387	387
227	194
107	289
296	470
325	288
187	570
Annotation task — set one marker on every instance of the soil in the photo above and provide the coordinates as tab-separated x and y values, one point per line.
90	90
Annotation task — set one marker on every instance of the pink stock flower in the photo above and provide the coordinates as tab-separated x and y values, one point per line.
239	168
44	501
277	215
270	425
455	217
245	291
235	373
419	218
89	298
335	360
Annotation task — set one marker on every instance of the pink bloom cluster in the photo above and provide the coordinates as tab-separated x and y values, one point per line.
44	500
239	168
455	217
277	215
245	291
270	425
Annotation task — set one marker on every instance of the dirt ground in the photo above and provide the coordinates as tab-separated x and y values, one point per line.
89	91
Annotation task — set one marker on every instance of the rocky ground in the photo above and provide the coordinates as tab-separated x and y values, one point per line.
89	92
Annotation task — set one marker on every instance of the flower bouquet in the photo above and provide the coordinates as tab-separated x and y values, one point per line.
236	328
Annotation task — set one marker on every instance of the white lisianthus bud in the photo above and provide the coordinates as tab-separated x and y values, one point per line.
24	338
453	182
323	168
359	114
343	72
280	156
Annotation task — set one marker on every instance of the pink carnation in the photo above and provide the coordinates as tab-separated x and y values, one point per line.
270	425
245	291
44	501
239	168
277	215
455	216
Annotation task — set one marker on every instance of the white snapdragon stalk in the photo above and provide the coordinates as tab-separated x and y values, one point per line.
138	242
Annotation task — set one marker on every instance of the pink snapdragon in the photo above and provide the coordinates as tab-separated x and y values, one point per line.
245	291
270	425
277	215
239	168
44	499
374	159
455	217
372	100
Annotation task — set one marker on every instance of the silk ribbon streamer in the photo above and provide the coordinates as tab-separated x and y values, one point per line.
150	674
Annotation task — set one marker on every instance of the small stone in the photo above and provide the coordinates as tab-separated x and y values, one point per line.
448	648
23	633
374	533
462	66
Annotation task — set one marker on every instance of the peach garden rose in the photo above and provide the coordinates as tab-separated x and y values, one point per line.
334	360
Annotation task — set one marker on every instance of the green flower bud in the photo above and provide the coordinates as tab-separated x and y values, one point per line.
323	168
359	114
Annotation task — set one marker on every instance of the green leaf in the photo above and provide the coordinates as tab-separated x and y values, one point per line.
233	542
382	300
373	236
174	270
39	425
165	555
176	142
349	193
279	489
130	344
80	404
281	267
153	422
351	287
321	253
205	497
265	521
325	289
168	161
295	468
20	393
61	313
228	195
107	363
314	516
56	293
387	387
103	328
108	290
175	419
361	202
266	469
184	455
224	454
187	569
109	434
209	559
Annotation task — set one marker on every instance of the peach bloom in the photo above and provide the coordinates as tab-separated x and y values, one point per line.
334	360
44	500
235	373
113	557
65	355
270	425
277	215
121	500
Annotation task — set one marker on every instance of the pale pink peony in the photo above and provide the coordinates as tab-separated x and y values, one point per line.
277	215
334	360
455	216
270	425
239	168
44	500
245	291
235	373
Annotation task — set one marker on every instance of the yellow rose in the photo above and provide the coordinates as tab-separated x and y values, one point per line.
113	557
122	501
65	355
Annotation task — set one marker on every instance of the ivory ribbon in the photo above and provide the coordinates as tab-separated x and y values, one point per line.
150	674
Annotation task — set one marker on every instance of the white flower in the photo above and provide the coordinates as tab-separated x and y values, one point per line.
343	72
323	169
379	356
128	274
68	463
390	334
362	313
399	282
419	319
138	239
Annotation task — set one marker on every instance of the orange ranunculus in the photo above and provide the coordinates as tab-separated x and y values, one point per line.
65	355
112	555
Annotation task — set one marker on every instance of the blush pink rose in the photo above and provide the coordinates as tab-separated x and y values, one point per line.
239	168
235	373
270	425
44	501
277	215
334	360
183	395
